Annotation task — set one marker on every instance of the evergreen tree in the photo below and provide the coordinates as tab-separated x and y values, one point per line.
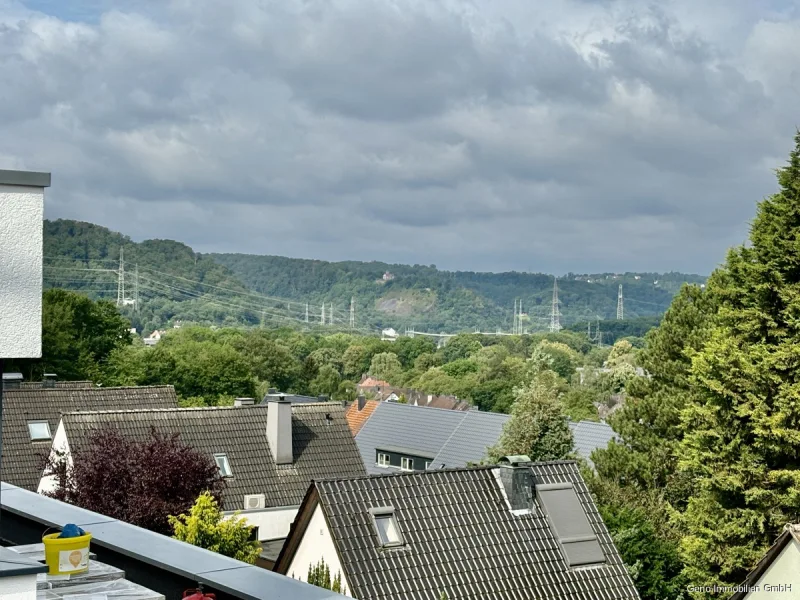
320	576
742	434
205	527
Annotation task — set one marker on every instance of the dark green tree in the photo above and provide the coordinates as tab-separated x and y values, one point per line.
742	429
538	426
78	335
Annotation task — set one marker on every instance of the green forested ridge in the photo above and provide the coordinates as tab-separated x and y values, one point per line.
429	299
178	284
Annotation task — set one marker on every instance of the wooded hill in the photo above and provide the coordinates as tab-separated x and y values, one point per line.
177	284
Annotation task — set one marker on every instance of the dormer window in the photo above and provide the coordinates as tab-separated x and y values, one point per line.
39	431
223	465
386	526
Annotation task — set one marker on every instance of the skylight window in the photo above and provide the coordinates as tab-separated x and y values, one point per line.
386	527
570	524
223	464
39	431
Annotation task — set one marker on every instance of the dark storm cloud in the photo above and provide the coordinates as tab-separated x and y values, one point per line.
477	135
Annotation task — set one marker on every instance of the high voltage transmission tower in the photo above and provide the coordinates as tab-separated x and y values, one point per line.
121	278
555	313
136	288
620	311
352	312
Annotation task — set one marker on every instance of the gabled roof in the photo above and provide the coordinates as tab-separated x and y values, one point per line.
454	438
356	418
790	532
459	537
322	447
402	425
22	458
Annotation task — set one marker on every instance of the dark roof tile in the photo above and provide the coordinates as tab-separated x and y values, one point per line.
321	448
461	538
22	459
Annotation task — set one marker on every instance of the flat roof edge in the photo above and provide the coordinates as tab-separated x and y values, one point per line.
25	178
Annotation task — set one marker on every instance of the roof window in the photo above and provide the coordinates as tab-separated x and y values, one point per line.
223	464
386	526
39	431
570	524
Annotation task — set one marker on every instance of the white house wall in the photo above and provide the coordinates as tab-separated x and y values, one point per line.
272	523
316	544
60	443
21	587
21	222
784	570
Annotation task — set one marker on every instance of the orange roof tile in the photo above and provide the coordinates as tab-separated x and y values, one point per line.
356	418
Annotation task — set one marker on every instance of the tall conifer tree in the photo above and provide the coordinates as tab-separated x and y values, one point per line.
741	441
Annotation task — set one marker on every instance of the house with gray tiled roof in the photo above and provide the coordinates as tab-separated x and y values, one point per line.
31	415
413	438
268	454
519	530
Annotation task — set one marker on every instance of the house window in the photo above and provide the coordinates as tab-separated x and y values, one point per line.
427	464
386	526
253	537
39	431
406	464
569	523
383	459
223	464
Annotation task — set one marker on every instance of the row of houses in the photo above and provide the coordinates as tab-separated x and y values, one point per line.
378	490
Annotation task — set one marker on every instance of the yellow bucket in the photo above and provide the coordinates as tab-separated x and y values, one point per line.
66	556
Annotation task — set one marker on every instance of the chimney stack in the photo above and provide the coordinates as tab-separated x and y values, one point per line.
517	480
49	380
279	431
11	381
244	402
362	402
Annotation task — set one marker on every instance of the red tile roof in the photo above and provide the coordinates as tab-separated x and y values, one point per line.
356	418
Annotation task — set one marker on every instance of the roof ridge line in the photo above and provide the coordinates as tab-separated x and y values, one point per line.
452	433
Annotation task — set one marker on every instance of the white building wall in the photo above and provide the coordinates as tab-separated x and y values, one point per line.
272	523
60	443
21	587
317	544
784	571
21	222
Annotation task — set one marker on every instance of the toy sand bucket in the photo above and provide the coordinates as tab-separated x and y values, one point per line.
66	556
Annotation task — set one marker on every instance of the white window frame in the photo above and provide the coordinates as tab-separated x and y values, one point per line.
380	462
428	464
225	467
40	439
386	512
403	460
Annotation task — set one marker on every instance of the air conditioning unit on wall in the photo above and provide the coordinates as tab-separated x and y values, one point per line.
254	501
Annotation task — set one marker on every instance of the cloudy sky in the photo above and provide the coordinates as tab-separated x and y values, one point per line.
567	135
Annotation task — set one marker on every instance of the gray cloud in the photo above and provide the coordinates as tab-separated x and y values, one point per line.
470	134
